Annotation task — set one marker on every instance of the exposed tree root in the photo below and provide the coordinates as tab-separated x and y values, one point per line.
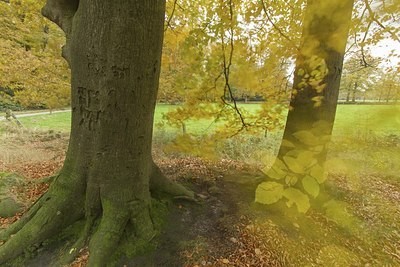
120	215
15	227
106	238
78	245
49	179
161	185
55	214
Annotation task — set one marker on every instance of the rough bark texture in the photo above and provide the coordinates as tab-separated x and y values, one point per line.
314	97
114	51
325	36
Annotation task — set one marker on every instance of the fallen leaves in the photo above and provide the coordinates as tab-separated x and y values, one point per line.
246	242
5	222
225	261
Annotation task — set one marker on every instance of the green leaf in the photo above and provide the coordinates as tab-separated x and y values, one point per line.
307	138
297	197
291	180
269	192
293	165
293	153
318	173
278	164
305	158
301	85
287	143
311	186
275	173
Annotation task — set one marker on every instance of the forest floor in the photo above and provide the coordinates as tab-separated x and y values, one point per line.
226	227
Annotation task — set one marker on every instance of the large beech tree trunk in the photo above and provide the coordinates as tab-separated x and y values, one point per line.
300	160
114	51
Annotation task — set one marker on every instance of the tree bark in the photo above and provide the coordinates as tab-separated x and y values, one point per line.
114	51
324	37
314	96
388	93
353	96
348	94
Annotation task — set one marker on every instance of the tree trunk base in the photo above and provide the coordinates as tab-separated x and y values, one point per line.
113	228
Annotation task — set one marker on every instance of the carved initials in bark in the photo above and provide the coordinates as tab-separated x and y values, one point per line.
89	105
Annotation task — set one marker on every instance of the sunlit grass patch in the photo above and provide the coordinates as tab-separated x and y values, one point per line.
362	121
367	121
56	122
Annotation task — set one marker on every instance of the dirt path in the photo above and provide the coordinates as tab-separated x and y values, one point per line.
33	113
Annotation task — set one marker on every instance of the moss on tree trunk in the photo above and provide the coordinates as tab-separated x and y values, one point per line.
114	51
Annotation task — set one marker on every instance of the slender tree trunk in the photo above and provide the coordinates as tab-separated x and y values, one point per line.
388	94
353	97
183	127
309	124
348	94
308	106
380	95
114	51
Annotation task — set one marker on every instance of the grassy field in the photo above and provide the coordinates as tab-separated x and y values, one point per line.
364	119
56	122
350	120
360	225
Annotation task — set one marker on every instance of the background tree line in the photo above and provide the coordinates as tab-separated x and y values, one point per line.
33	75
255	38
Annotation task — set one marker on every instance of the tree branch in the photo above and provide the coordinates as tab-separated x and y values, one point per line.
227	65
373	18
62	13
362	46
168	22
275	26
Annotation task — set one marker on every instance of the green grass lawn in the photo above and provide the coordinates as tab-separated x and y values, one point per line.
365	219
350	120
364	119
56	122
